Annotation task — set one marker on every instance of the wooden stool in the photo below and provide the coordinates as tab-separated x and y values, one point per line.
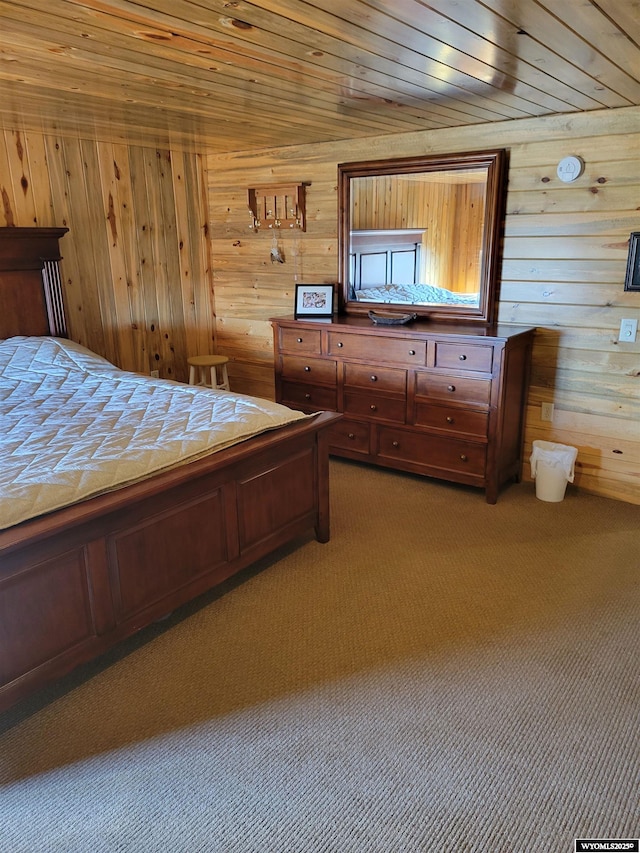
207	366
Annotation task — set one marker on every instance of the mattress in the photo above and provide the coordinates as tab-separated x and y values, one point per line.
72	425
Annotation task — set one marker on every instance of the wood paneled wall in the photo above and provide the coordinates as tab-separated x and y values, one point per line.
565	253
468	229
135	265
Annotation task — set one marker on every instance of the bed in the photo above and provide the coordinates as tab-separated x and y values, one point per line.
96	544
415	294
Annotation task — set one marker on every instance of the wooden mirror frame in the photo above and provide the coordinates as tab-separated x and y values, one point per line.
495	161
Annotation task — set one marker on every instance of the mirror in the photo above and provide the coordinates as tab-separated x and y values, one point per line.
422	234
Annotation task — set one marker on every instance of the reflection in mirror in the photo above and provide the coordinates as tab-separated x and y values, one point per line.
422	233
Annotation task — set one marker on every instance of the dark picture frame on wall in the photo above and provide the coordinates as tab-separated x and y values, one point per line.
314	300
632	278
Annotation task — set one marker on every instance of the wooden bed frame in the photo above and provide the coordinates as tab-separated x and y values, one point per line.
76	581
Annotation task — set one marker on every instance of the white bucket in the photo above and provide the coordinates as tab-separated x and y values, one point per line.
552	467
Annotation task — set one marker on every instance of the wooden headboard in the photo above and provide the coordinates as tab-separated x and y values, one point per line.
30	287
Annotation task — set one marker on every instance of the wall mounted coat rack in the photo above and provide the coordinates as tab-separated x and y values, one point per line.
278	206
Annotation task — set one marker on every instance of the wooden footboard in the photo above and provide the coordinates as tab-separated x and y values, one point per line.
75	582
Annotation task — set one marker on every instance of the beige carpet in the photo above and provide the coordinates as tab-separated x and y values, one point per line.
443	675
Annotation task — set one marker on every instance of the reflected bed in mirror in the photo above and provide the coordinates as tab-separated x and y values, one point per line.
423	234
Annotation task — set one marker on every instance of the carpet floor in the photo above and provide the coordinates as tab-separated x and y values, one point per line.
443	675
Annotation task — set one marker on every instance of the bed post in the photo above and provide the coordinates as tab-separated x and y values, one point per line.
322	529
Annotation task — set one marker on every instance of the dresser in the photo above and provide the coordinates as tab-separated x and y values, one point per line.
438	399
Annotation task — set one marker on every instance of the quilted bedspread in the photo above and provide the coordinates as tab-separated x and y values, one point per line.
72	425
416	294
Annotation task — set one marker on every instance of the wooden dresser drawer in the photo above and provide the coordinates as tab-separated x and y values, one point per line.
375	378
447	387
350	436
375	406
316	398
445	454
378	349
300	340
309	369
463	356
452	420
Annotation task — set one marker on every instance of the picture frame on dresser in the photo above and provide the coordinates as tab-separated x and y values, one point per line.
314	300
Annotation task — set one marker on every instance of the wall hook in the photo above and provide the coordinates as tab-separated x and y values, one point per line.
278	206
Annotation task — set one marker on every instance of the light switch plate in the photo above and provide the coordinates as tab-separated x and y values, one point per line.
628	331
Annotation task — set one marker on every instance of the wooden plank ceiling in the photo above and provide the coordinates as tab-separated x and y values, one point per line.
239	75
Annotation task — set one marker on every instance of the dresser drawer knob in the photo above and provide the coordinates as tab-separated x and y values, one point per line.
374	378
451	387
373	407
307	369
462	357
340	344
464	457
449	419
307	396
351	436
395	444
412	352
299	340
